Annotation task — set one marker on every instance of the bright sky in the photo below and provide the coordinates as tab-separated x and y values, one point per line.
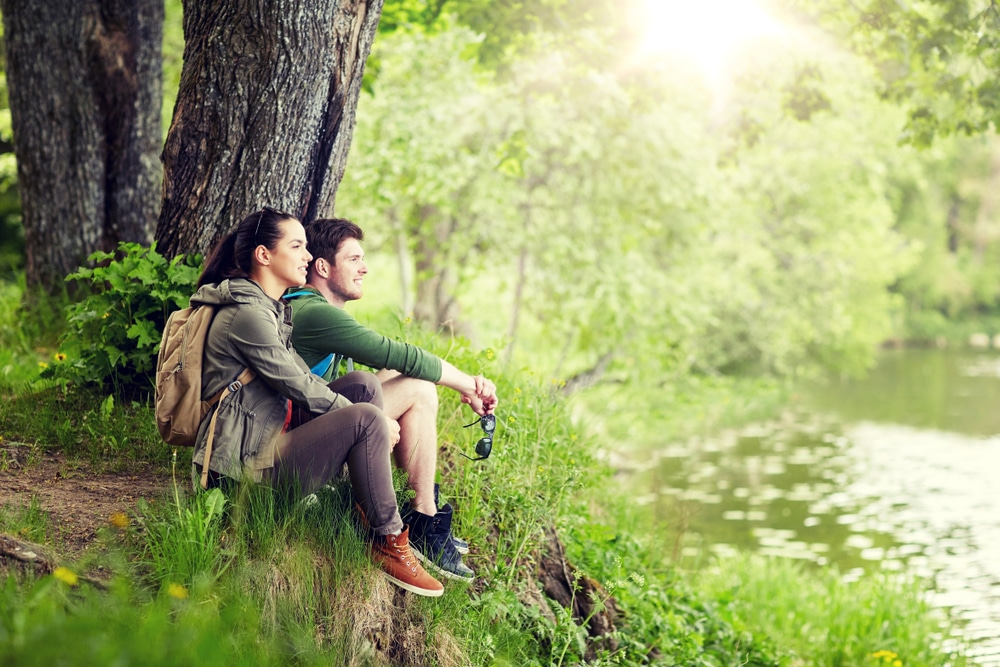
704	33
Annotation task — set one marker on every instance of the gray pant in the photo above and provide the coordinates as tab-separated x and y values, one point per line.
315	448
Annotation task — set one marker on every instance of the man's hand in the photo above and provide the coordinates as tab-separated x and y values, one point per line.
483	400
393	432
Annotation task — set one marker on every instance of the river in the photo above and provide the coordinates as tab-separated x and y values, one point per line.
897	471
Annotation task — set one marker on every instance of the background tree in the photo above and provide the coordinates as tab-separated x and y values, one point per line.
264	113
938	58
84	91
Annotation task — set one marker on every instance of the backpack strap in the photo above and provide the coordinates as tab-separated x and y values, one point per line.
246	377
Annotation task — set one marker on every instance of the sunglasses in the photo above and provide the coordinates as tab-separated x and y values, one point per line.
485	444
268	209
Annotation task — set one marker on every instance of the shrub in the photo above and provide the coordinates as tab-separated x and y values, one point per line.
113	333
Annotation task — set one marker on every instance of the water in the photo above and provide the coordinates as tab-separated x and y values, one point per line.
899	471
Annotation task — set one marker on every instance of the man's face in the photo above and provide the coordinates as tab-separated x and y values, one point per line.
347	272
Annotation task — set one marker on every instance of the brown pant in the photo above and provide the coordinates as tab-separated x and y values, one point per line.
315	448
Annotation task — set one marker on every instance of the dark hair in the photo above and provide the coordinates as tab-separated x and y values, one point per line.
324	236
232	257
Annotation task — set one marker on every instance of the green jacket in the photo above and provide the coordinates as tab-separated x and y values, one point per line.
322	332
252	330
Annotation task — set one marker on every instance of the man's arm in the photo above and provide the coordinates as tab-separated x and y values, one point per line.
320	329
477	392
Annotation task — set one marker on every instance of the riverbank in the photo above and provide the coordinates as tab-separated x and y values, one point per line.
278	585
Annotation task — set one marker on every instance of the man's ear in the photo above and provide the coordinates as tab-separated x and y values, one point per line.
321	267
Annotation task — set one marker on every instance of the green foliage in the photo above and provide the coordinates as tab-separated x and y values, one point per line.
173	58
938	58
113	334
513	32
825	620
182	541
31	322
640	234
54	622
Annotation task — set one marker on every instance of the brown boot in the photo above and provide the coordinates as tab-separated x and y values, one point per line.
401	567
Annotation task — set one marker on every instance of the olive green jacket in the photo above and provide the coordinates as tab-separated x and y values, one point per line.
252	330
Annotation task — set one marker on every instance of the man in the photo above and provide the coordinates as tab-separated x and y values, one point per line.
324	334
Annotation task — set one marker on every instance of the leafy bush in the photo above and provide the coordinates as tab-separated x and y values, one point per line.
113	334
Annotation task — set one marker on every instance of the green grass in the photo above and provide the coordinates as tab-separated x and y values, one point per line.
821	619
258	578
29	521
101	429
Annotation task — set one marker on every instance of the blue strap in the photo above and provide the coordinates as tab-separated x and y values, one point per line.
323	366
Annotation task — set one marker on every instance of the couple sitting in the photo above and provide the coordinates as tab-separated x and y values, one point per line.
297	426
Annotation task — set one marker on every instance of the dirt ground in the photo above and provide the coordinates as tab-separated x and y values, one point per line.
77	498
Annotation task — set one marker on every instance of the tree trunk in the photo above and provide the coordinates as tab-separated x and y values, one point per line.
85	89
264	114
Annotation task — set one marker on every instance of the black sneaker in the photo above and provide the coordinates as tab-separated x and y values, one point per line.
430	541
405	510
461	546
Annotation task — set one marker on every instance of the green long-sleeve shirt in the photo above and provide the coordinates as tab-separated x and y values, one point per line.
320	330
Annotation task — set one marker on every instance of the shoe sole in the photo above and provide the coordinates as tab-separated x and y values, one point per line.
426	592
431	565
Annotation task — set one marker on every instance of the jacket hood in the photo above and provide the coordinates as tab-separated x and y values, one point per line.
235	291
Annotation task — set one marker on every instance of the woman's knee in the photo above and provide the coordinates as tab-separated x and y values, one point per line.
372	420
361	387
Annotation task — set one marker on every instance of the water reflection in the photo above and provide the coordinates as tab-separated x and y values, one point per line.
898	472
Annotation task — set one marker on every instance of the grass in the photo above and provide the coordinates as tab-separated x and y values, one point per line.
258	578
822	619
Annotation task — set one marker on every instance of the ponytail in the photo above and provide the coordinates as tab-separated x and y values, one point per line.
220	263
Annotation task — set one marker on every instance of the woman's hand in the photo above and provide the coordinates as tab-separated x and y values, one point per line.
393	432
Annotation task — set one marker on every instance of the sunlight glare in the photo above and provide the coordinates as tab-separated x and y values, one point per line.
706	34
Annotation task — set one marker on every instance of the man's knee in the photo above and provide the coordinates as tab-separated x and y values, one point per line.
427	396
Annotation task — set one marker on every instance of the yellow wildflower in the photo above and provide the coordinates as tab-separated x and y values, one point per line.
897	663
118	520
60	356
490	353
43	365
517	390
177	591
511	419
105	316
885	655
66	576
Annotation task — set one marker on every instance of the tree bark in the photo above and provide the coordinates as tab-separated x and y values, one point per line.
264	114
85	89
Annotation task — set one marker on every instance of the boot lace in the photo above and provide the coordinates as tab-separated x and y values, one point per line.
406	556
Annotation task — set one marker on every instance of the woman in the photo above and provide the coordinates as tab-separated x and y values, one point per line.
258	434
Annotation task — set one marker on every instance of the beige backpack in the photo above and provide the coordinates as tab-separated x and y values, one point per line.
178	405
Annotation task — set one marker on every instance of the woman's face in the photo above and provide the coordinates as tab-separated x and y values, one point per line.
289	258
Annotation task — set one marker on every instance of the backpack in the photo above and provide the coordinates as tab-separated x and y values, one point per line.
178	405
